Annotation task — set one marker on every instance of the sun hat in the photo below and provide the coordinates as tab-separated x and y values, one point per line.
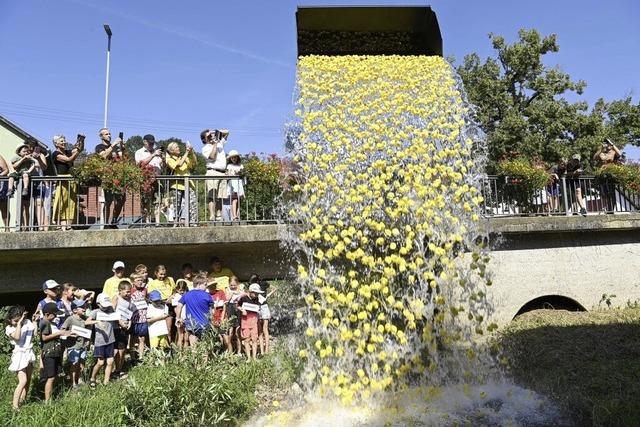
155	296
104	301
254	287
233	153
20	146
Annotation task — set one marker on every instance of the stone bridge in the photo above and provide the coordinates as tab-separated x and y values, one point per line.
560	262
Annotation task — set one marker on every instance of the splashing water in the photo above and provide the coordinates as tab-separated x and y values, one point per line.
391	256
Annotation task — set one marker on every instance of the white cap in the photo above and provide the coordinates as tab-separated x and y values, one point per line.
233	153
254	287
103	300
50	284
117	265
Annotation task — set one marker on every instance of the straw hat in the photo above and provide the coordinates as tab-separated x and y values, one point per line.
20	146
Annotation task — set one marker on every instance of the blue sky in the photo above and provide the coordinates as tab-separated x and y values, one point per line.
179	67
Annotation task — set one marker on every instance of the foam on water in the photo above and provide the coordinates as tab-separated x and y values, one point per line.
492	404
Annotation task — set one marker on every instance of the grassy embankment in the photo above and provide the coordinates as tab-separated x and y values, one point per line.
588	362
181	391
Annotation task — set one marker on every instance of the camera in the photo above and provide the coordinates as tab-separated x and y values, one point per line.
79	145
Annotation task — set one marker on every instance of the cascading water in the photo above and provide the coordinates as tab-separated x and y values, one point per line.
392	258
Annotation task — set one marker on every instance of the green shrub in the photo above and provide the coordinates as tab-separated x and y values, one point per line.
117	177
521	181
178	390
627	175
264	183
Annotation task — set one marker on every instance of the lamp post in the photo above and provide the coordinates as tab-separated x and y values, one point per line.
107	29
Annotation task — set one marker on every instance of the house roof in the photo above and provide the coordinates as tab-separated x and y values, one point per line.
19	131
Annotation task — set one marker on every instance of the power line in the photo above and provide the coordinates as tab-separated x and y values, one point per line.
49	113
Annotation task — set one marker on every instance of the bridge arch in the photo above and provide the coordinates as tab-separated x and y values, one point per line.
554	302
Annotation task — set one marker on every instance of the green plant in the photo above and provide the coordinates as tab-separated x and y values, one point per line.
264	184
633	304
117	177
606	298
521	181
189	387
90	172
627	175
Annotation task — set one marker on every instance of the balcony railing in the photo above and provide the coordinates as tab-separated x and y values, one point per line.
60	203
504	196
53	203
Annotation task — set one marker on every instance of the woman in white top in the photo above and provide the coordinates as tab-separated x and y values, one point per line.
20	332
235	188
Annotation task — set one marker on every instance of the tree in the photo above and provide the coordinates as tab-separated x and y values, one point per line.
134	143
521	104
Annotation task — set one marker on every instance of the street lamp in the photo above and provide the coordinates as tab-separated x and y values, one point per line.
107	29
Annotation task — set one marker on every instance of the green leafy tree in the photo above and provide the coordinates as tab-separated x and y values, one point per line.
522	106
134	143
264	183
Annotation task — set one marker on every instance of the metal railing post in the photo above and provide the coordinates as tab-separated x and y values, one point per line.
565	195
186	201
18	195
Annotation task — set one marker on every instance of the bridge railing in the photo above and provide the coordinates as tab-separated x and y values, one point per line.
505	196
59	202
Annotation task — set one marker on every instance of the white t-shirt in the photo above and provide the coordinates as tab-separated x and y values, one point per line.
155	163
158	328
220	162
26	334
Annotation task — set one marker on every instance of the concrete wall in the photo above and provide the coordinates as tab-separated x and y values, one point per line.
575	257
579	265
85	258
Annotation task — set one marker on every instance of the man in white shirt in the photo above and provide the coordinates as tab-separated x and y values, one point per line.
151	156
216	162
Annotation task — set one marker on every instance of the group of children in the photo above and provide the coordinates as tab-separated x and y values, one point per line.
134	314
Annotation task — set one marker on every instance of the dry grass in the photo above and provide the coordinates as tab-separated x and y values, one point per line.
588	361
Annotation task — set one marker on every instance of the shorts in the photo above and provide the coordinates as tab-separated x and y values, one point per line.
4	190
216	188
52	366
140	329
172	310
122	339
572	185
104	351
553	190
250	332
76	355
161	341
196	332
264	313
217	316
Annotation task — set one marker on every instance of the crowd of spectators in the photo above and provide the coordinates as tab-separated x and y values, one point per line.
571	171
132	316
55	202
